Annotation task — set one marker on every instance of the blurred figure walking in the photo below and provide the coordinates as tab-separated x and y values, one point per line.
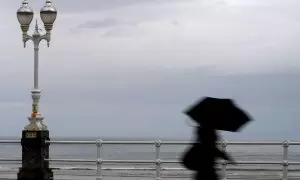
211	114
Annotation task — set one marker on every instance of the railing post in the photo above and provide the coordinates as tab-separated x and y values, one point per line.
157	159
224	162
285	162
99	160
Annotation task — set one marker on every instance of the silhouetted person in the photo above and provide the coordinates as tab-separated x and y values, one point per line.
211	114
202	156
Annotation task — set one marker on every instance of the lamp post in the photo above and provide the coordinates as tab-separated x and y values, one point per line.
34	136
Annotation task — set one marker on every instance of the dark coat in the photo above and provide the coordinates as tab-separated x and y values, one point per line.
201	157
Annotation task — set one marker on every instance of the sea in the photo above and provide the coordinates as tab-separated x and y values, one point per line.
147	152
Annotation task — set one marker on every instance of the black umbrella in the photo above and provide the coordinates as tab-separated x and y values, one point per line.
220	114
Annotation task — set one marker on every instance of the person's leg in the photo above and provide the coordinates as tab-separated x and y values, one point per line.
198	176
206	176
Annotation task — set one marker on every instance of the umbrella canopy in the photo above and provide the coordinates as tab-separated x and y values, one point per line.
220	114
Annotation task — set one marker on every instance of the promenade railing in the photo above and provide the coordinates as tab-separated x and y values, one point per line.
99	161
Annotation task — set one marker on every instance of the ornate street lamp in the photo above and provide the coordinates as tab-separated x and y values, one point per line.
25	15
35	149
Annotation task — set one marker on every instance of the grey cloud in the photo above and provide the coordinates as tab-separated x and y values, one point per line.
175	22
100	5
105	23
155	101
96	5
121	32
79	5
115	27
142	100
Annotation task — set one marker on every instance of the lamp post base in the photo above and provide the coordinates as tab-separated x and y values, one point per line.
35	150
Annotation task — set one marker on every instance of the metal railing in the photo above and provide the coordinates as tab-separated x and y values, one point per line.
158	162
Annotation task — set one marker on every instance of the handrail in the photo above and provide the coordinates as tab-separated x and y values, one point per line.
168	142
157	161
10	141
148	161
10	160
163	161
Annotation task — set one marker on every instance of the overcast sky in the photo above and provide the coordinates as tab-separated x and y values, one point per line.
128	68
